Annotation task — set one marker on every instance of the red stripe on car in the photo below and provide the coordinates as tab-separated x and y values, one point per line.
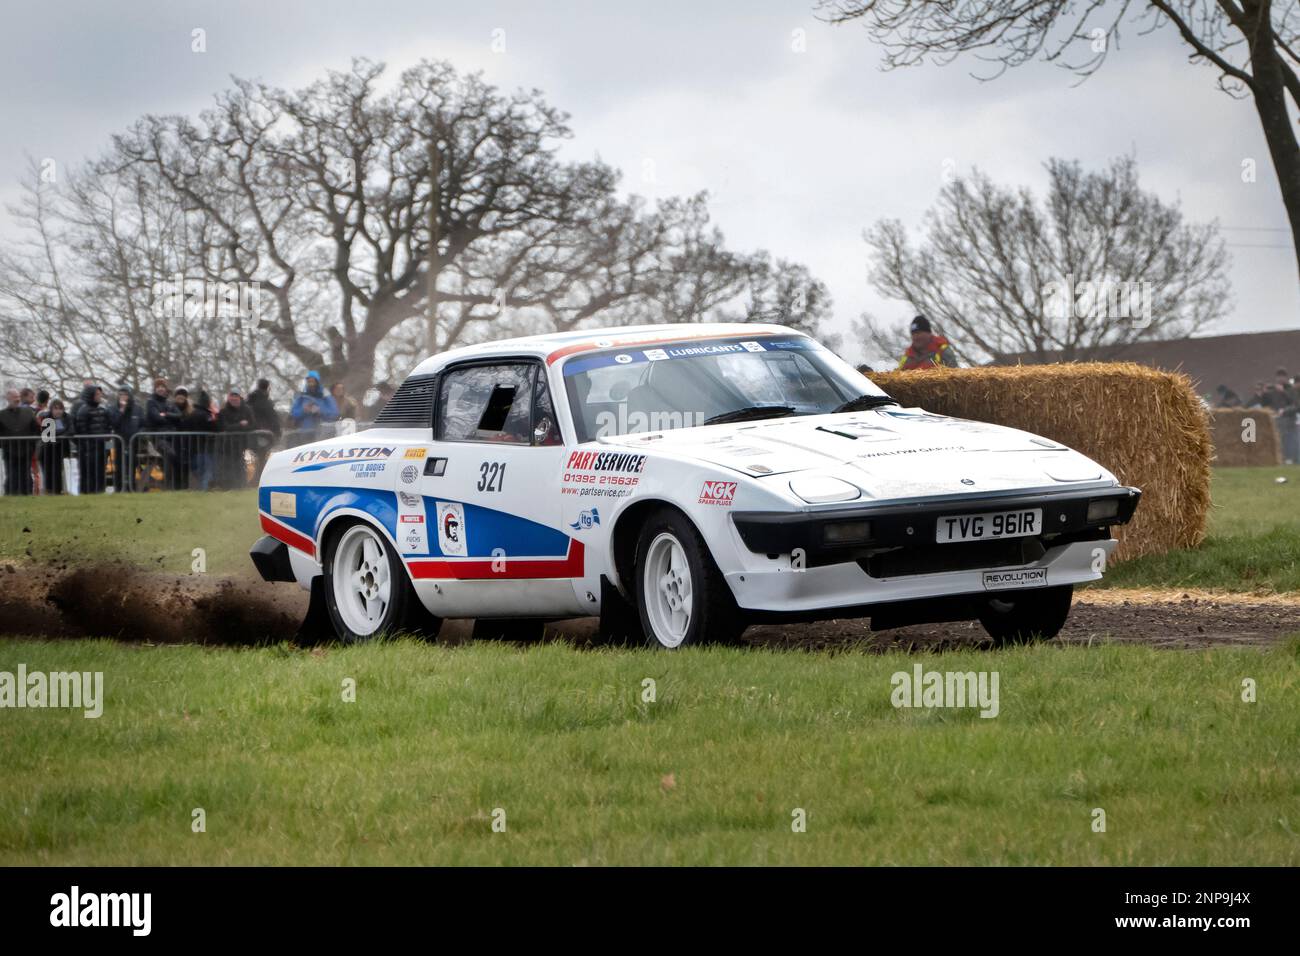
290	537
483	569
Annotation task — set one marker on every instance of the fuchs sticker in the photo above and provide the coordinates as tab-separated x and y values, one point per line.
718	493
451	529
1015	578
412	528
586	519
415	453
284	504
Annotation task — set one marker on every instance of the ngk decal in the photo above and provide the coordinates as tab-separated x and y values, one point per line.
718	493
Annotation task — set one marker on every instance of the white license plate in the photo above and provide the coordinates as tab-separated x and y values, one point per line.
994	524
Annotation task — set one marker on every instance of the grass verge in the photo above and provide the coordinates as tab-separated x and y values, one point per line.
710	772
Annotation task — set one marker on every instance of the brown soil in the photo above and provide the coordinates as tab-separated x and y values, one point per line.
119	601
116	600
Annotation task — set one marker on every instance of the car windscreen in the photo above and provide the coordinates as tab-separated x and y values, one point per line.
621	391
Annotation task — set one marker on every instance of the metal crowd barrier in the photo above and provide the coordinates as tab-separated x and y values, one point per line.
293	437
149	461
76	465
197	461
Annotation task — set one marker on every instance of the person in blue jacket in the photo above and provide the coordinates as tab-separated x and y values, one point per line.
313	406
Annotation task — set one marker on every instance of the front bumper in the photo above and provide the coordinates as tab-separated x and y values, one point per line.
912	526
271	558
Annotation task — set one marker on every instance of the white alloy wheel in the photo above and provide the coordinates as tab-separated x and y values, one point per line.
362	583
669	601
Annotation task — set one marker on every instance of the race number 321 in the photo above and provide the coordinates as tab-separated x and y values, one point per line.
491	475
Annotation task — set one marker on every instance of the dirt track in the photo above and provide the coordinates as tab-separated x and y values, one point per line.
124	602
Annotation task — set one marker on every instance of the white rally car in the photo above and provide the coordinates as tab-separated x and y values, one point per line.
680	481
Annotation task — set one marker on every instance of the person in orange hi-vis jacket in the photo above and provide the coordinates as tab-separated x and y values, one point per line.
927	349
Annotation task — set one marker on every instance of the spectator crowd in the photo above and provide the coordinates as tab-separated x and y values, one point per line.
1282	398
171	439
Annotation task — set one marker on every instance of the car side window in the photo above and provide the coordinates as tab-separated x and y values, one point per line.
491	403
546	429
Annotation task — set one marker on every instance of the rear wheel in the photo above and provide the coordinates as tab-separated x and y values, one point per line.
367	592
682	598
1018	617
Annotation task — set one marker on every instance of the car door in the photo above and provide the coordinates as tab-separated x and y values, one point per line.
490	489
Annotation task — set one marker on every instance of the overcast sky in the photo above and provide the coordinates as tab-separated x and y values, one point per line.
800	150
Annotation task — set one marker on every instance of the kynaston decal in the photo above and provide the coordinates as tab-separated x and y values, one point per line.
318	458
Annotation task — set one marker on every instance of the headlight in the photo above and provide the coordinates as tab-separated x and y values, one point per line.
839	533
820	489
1102	509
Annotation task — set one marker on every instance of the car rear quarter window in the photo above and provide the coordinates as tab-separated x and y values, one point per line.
411	405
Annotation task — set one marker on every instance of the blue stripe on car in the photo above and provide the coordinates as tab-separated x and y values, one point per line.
487	529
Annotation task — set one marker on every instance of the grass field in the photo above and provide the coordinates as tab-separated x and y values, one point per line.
1253	543
559	739
585	771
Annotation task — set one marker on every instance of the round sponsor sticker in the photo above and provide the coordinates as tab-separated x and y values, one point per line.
409	474
623	358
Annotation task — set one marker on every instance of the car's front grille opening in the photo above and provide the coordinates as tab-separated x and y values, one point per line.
963	556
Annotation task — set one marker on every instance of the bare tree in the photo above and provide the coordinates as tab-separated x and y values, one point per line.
1098	264
79	292
381	221
1254	44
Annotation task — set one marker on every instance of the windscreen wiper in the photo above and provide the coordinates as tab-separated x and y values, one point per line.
750	412
864	402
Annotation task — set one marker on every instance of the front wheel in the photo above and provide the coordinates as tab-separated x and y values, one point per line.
367	592
682	598
1018	617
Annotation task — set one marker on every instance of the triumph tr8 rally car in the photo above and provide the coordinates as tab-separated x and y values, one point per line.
680	481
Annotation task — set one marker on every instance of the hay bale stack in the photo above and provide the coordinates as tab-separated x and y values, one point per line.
1145	425
1231	428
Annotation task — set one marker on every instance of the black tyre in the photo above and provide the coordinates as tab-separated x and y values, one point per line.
620	621
1019	617
367	591
682	598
